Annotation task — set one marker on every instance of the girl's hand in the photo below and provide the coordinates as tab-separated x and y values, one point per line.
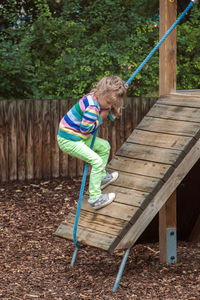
116	111
104	114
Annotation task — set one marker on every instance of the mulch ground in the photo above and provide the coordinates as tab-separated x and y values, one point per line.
35	264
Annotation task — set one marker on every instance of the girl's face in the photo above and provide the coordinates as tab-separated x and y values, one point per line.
105	103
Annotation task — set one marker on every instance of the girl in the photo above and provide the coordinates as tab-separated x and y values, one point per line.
77	127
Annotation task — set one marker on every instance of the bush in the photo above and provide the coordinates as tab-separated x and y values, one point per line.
188	59
63	56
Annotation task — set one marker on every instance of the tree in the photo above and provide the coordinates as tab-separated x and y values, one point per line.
65	47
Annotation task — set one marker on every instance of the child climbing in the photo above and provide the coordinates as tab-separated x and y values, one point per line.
76	131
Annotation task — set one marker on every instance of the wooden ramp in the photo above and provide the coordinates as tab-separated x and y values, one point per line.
151	163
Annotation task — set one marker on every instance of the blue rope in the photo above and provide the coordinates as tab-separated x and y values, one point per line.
81	197
94	136
160	42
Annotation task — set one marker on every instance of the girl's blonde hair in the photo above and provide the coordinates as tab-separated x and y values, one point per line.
112	87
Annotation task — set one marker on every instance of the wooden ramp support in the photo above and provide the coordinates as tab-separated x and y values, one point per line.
151	163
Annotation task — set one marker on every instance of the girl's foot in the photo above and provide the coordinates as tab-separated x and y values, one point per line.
109	178
103	200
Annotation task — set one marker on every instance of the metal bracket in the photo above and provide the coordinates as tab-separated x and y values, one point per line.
171	245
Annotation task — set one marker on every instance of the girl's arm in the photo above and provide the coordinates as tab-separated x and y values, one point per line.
91	120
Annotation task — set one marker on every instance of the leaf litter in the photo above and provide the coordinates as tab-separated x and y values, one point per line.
35	264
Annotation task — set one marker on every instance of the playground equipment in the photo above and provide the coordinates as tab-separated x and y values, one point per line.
151	163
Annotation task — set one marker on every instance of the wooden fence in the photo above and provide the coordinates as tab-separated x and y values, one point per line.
28	131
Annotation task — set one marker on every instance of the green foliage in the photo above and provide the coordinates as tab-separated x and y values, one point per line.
188	59
62	55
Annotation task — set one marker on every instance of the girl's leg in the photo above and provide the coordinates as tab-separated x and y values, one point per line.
103	149
80	150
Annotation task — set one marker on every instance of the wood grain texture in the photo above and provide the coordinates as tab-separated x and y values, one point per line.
149	153
115	210
161	197
169	126
35	127
12	141
29	139
167	50
86	236
140	167
162	140
55	119
46	143
4	154
37	137
167	219
21	136
63	162
180	100
97	222
179	113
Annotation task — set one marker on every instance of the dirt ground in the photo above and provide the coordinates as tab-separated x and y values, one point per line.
35	264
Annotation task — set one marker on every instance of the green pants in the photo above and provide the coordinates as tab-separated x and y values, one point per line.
98	161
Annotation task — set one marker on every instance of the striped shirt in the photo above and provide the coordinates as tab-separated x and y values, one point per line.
81	120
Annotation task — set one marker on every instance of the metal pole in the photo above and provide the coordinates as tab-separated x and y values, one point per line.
74	257
121	269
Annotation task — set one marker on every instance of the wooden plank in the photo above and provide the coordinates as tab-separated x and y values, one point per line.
122	126
118	141
126	195
167	219
167	83
169	126
29	139
55	119
167	51
3	141
138	182
63	164
112	138
101	223
176	142
141	167
159	199
186	93
97	222
88	237
138	109
113	210
149	153
103	131
12	140
37	138
128	118
195	92
178	100
46	137
71	160
133	114
175	113
21	139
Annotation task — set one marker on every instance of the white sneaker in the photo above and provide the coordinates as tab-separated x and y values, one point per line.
103	200
109	178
